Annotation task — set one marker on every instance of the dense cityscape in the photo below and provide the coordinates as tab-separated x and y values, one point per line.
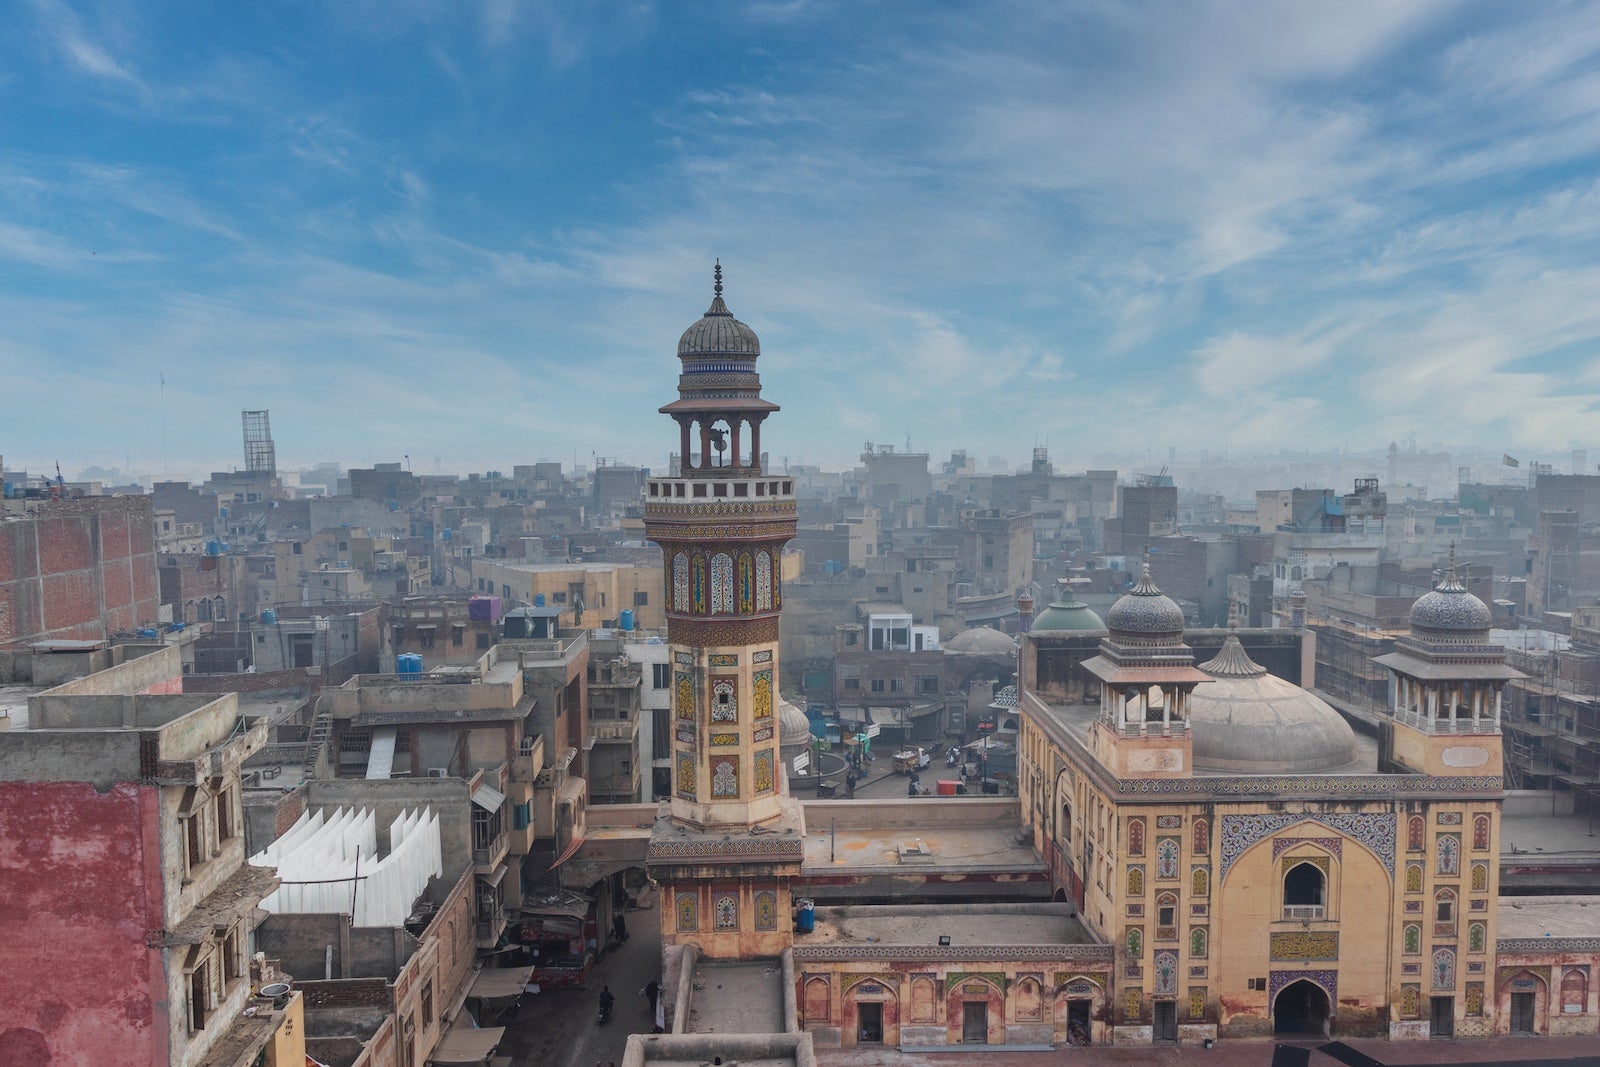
789	534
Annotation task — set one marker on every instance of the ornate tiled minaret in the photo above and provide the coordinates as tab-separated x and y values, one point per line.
728	842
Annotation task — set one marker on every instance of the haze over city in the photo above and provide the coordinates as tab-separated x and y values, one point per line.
470	234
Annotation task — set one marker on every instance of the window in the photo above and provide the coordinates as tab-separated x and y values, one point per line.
1304	892
225	827
897	685
458	635
522	816
661	675
194	842
1166	917
929	684
427	1004
852	637
482	640
641	600
852	683
297	549
877	685
425	638
1444	912
558	598
505	591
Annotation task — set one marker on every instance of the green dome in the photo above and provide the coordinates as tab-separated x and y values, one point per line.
1067	613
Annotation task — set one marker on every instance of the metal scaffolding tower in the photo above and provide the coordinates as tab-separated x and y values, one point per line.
259	454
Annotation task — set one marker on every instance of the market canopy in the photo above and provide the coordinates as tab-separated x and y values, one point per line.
467	1045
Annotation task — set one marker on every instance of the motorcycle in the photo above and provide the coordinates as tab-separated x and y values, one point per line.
952	757
605	1015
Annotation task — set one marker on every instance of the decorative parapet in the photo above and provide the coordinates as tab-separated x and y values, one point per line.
837	953
1547	944
735	850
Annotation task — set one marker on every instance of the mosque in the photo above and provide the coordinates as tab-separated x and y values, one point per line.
1208	851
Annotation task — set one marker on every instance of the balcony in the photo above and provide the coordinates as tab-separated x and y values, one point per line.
614	729
1303	912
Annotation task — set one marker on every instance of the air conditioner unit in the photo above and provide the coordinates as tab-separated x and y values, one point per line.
438	772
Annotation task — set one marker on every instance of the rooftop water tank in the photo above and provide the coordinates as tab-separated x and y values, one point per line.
625	620
269	617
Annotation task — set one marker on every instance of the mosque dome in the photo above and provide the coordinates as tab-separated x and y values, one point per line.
1249	721
793	726
1067	613
1449	609
1145	611
983	641
718	334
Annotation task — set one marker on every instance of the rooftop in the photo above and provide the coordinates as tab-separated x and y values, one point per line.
931	839
1076	720
1548	916
964	924
736	998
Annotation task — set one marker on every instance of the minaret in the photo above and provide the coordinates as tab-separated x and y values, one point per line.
729	840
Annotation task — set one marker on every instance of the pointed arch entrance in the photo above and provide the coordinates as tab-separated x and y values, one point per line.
1301	1008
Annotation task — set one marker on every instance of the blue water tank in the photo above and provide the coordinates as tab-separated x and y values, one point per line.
408	664
806	917
394	505
269	617
538	600
625	621
147	633
446	534
213	548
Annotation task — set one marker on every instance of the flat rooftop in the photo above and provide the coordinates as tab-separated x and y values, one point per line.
1548	916
963	924
736	998
1533	837
939	847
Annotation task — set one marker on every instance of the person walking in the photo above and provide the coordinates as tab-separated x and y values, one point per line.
652	990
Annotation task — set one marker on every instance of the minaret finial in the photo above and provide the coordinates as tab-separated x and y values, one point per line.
1234	614
717	274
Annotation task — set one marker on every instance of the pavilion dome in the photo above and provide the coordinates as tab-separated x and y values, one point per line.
1249	721
1067	613
793	726
1145	611
1450	609
982	641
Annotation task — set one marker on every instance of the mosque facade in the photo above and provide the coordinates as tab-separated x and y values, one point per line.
1257	870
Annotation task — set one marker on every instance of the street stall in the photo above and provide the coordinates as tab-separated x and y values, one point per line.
561	937
496	991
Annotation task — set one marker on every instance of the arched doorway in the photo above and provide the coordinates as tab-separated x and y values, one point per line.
1301	1008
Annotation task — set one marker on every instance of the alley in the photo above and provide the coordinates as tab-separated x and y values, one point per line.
556	1027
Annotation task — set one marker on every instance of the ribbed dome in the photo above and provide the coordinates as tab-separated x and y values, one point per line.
982	641
718	333
1251	721
1067	613
1450	607
1145	611
793	726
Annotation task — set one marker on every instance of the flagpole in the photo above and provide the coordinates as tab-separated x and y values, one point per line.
166	469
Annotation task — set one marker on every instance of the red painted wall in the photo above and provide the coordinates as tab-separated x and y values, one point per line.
80	879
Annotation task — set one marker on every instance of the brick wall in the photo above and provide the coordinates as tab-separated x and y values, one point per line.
78	570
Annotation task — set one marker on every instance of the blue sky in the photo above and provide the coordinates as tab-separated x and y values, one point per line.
472	232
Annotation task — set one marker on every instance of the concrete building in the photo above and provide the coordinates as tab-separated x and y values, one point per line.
120	812
592	595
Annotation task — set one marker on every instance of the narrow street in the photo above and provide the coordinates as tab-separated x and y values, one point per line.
556	1028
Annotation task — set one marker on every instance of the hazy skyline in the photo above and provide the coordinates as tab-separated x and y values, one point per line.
476	231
